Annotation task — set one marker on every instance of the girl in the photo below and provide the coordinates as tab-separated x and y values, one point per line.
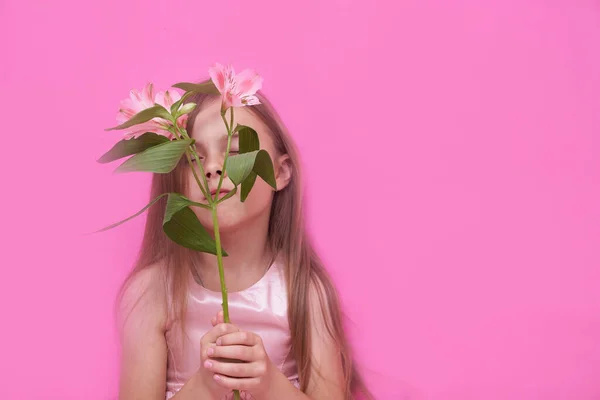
286	339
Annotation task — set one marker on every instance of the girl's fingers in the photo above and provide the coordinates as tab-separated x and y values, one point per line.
235	370
241	338
218	331
236	383
237	352
218	319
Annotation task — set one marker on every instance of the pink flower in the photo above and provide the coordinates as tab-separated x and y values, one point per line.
139	101
167	99
236	90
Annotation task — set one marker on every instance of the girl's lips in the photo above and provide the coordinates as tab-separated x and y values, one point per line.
222	193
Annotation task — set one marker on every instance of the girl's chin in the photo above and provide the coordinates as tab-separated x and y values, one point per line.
227	220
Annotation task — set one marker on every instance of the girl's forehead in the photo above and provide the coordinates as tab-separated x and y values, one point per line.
209	123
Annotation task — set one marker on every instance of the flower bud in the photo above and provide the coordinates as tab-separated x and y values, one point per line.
187	108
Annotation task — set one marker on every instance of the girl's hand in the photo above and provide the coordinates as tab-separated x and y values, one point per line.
255	371
204	375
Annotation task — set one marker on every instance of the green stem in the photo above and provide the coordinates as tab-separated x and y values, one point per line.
216	223
231	123
228	195
213	207
207	194
192	150
200	205
189	159
236	393
229	135
220	264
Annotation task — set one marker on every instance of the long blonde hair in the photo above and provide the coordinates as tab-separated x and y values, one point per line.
287	238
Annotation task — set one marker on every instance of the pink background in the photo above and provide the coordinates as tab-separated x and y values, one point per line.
451	153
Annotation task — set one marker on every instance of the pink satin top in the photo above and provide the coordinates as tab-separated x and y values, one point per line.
262	309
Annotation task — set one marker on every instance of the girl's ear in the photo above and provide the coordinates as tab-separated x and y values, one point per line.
283	171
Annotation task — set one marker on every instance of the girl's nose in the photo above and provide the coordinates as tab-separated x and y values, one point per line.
213	167
213	172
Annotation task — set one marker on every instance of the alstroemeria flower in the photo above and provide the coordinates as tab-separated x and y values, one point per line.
236	90
167	99
139	101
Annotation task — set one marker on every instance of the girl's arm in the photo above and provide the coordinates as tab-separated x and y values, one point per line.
326	378
142	321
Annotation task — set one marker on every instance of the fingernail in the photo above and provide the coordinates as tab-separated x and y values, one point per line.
207	364
217	378
218	341
210	351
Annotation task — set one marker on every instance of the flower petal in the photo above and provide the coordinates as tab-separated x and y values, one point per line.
182	121
148	95
218	74
125	113
134	133
248	82
135	96
250	100
131	105
166	99
227	100
175	95
138	130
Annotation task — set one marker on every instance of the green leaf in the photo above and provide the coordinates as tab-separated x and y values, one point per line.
176	202
127	147
239	166
144	116
248	139
263	166
247	186
160	159
133	216
207	87
184	228
248	142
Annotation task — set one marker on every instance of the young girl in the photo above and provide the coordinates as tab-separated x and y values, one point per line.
286	339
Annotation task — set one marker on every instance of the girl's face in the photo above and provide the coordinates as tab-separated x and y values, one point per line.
211	144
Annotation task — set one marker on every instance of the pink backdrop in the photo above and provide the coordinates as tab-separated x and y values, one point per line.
451	153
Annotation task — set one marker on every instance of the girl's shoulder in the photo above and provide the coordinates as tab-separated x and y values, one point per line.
142	298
